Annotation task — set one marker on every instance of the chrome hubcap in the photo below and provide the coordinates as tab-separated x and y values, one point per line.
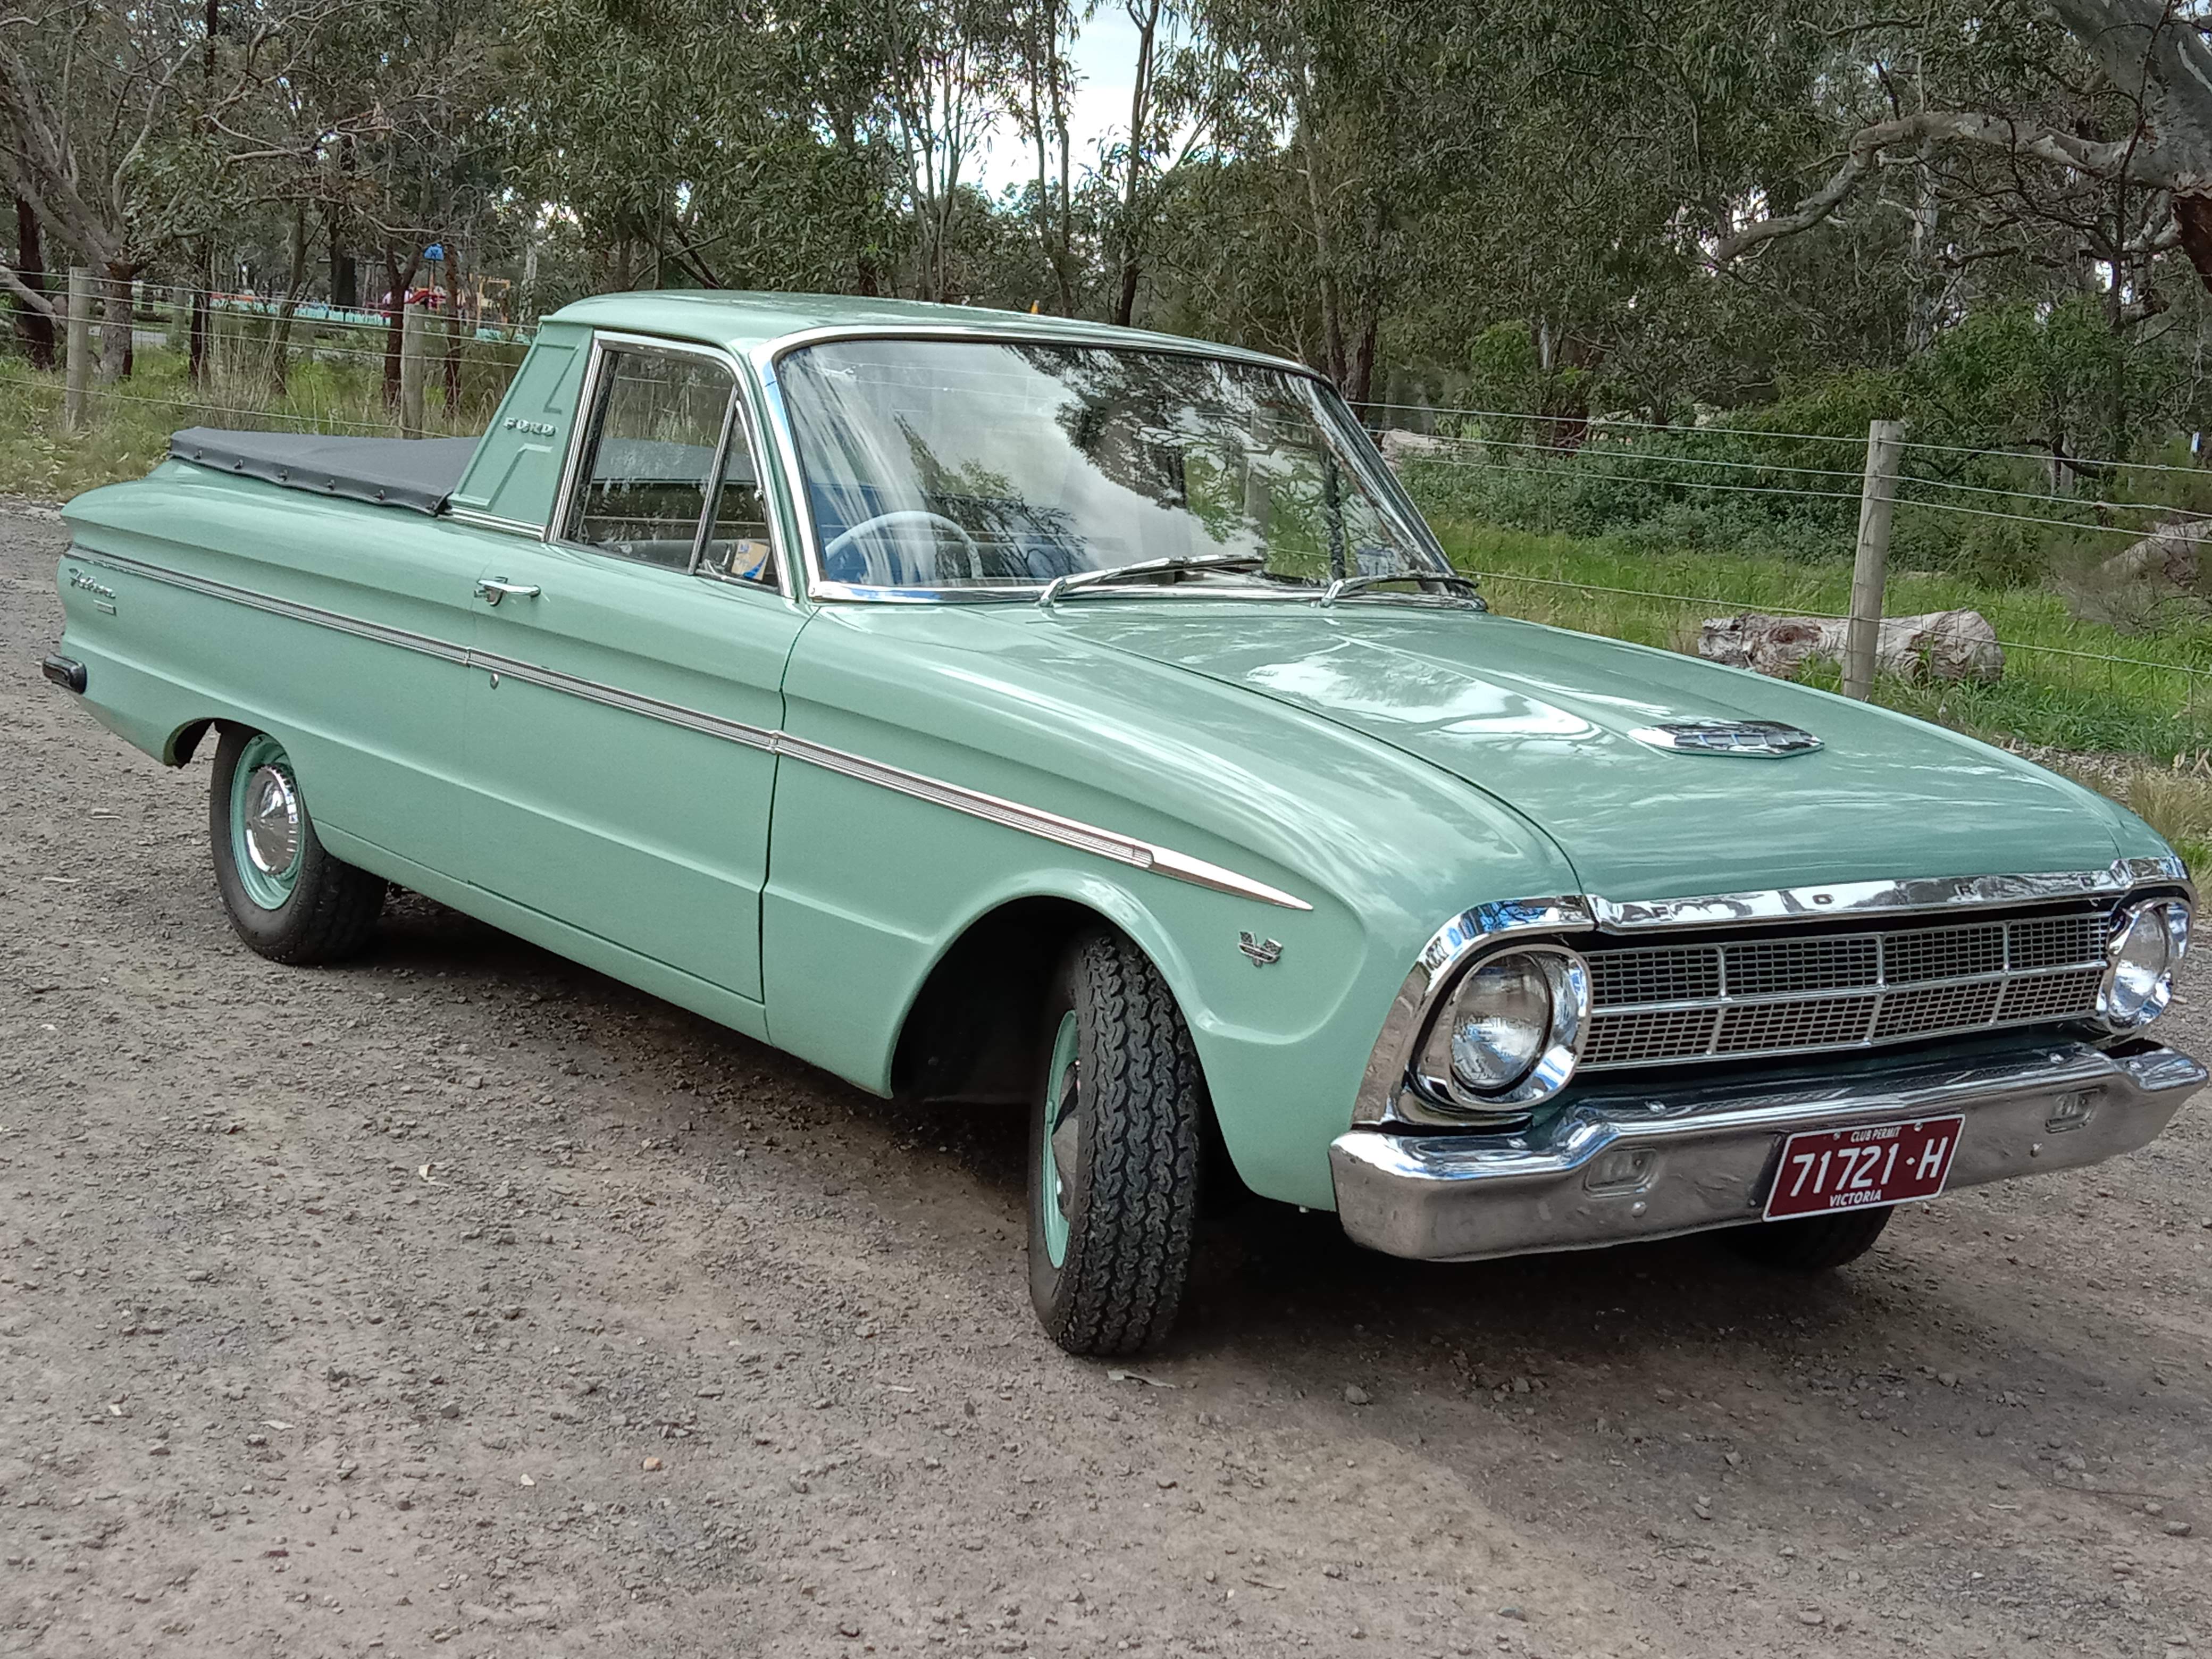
273	821
1067	1146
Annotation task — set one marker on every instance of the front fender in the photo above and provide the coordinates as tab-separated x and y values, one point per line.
869	888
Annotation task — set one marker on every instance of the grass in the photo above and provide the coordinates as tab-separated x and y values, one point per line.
335	385
2060	690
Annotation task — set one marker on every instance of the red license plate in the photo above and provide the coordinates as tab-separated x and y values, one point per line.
1823	1170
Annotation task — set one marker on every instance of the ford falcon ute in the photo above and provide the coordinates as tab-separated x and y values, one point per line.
1009	709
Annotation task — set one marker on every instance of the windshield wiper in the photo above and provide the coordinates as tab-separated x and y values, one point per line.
1343	585
1146	568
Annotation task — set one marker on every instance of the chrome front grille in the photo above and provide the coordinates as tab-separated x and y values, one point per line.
1810	993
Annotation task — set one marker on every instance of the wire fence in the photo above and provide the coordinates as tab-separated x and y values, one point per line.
1601	450
1742	607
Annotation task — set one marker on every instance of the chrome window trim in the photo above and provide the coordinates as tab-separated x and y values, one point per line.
740	408
766	358
475	520
974	802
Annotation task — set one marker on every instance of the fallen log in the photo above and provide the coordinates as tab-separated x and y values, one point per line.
1937	645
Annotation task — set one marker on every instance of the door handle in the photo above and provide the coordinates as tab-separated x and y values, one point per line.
494	591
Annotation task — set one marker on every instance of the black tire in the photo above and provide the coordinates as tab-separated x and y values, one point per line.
1128	1198
1812	1244
330	910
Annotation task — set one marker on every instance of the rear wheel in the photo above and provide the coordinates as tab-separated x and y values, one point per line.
1810	1244
1115	1153
287	897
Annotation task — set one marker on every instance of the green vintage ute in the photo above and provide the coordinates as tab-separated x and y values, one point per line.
994	706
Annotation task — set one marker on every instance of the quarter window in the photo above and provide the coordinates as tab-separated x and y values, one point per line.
657	426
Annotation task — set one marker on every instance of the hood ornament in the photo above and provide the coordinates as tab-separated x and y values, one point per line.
1728	738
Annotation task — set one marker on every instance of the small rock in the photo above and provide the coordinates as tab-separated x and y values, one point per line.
2152	1506
1948	1379
849	1628
158	1448
2178	1530
1512	1610
1735	1460
653	1466
450	1410
257	1439
1811	1616
1356	1395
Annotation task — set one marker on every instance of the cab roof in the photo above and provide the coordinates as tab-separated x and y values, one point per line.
743	322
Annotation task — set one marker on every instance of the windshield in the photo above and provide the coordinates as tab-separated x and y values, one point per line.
976	464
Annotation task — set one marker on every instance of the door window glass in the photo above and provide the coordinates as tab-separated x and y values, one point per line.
737	542
655	432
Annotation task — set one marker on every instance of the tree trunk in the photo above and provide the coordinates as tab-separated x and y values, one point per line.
453	335
117	347
201	298
395	319
1358	386
34	329
296	285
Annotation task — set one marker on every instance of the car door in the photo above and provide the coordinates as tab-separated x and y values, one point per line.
626	682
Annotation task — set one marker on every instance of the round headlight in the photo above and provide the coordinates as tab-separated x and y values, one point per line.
2146	947
1508	1035
1499	1021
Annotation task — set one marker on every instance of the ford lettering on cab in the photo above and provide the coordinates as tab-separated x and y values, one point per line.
991	707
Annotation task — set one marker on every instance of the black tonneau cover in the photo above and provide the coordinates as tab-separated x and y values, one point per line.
417	473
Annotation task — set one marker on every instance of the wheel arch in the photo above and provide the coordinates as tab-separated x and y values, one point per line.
973	1031
184	742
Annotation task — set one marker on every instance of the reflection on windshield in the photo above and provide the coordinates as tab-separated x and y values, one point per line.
959	464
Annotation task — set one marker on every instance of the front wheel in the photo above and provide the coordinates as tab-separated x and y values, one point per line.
1114	1140
287	897
1810	1244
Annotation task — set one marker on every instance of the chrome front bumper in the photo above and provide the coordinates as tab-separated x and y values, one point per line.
1627	1164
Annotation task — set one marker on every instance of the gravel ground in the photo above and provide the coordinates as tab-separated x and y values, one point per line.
463	1301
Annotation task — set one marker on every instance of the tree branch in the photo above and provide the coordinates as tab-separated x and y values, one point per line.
2111	161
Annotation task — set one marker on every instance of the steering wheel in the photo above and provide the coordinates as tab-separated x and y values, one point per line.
879	570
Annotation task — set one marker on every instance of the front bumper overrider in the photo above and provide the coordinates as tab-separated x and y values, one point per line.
1621	1164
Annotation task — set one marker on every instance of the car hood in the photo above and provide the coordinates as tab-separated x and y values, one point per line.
1541	719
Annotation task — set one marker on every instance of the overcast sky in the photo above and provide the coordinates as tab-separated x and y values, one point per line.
1105	59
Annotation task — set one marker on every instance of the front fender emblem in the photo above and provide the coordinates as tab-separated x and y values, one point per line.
1264	953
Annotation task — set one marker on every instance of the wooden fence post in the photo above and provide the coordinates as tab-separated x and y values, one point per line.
414	362
1869	573
77	343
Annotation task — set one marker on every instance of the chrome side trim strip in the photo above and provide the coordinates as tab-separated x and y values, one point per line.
1029	820
672	713
1882	898
1034	821
307	613
474	520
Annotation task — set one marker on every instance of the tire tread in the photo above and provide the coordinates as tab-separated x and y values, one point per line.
1147	1095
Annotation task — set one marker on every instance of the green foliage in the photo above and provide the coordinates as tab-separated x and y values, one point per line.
2060	687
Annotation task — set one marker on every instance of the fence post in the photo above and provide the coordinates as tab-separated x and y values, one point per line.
1877	498
414	360
77	343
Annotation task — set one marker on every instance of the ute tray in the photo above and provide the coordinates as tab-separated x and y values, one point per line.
416	473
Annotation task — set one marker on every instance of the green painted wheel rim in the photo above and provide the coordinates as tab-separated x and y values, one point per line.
1062	1130
268	825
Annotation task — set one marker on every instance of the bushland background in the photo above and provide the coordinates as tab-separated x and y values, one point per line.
1640	274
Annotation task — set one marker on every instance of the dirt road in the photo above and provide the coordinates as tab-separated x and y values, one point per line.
464	1301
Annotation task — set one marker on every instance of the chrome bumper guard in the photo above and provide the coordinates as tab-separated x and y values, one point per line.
1626	1165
